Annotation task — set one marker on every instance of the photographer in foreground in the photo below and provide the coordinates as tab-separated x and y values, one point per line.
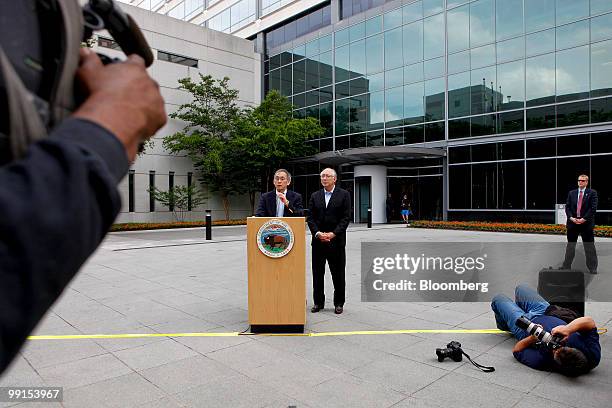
575	348
59	199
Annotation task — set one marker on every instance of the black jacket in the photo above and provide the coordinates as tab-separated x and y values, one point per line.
57	203
588	209
267	205
335	218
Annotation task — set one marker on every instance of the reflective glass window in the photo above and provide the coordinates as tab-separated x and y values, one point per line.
484	152
392	19
540	82
413	42
413	73
511	49
358	86
484	186
483	125
600	6
601	68
374	25
453	3
393	48
357	31
539	14
573	73
312	98
286	80
541	173
509	18
312	48
275	79
458	128
358	140
299	76
601	142
459	62
511	150
458	21
312	74
413	103
483	56
460	182
510	122
357	58
376	82
414	134
394	107
459	95
412	12
546	147
541	118
342	89
540	42
299	52
325	68
601	110
572	114
574	34
482	23
342	116
570	10
374	55
600	176
432	6
511	85
484	92
285	58
510	185
434	68
342	63
434	99
394	137
377	110
326	94
567	170
601	27
342	37
433	36
394	78
434	131
375	138
325	43
359	114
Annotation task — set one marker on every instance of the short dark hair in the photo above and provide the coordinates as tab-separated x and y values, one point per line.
571	362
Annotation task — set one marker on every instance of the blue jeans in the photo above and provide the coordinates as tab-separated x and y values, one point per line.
527	303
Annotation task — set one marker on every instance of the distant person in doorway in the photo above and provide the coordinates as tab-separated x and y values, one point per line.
405	209
389	206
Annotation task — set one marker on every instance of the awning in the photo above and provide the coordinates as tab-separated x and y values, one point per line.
373	155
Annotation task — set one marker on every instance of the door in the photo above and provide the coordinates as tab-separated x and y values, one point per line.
363	188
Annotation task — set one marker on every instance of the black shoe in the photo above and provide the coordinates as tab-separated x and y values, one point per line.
593	272
338	310
316	308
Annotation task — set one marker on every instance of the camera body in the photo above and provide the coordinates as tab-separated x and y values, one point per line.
452	351
546	338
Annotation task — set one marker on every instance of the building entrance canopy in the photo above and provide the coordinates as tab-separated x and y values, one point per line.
374	155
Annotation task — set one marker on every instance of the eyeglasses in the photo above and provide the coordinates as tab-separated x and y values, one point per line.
327	176
280	178
582	181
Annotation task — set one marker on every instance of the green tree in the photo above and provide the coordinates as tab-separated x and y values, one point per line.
211	120
268	137
179	199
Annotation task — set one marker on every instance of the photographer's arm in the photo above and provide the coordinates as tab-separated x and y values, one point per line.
58	202
524	344
581	324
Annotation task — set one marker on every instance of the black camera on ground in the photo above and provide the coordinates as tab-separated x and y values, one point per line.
452	351
551	341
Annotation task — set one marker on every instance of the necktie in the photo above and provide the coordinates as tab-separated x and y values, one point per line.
579	204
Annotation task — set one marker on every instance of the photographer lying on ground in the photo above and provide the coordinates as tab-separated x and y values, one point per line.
577	351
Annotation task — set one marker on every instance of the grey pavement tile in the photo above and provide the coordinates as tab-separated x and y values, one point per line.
189	325
228	316
83	372
286	402
44	353
477	342
296	344
484	321
508	372
236	392
401	308
348	391
91	312
166	402
52	323
424	352
248	356
154	354
21	374
205	345
179	376
531	401
375	318
126	390
474	308
203	308
171	297
342	355
411	402
461	391
400	374
446	316
389	343
583	391
38	404
337	323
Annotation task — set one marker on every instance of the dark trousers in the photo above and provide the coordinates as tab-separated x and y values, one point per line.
336	258
588	240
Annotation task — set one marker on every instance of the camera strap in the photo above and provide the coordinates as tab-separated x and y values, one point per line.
479	366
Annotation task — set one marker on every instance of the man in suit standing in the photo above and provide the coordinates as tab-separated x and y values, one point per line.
280	202
328	218
580	209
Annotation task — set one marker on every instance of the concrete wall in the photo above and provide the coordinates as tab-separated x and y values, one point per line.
219	55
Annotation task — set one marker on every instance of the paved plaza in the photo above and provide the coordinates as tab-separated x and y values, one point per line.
176	282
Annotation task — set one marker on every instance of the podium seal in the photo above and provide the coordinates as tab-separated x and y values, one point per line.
275	238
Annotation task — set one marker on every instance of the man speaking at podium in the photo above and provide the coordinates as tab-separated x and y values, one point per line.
280	202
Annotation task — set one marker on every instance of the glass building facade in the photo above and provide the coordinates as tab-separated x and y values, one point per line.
518	92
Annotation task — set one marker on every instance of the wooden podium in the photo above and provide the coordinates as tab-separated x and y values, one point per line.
276	249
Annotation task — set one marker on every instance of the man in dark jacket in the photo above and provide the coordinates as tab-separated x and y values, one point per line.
580	208
328	219
58	201
280	202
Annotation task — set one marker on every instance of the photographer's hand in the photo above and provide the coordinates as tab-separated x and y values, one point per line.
562	331
122	98
523	344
